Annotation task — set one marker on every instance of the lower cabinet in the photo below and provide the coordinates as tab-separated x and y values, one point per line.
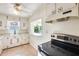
5	41
24	39
1	47
17	40
12	41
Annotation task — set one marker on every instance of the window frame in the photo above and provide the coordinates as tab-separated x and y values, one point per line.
33	24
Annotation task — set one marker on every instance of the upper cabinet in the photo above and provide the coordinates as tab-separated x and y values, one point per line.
67	9
61	10
50	10
24	23
2	22
60	7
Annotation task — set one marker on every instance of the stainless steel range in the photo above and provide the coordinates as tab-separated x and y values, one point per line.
60	45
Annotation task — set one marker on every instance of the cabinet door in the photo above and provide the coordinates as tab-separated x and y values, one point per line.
12	42
64	6
24	39
1	47
50	9
5	41
19	39
2	22
24	23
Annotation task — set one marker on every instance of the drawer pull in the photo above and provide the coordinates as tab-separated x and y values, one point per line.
67	12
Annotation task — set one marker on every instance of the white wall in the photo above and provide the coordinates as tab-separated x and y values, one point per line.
67	27
40	13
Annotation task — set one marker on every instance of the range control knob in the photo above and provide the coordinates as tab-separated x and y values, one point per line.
52	35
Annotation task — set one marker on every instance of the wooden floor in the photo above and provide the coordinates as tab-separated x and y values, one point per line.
24	50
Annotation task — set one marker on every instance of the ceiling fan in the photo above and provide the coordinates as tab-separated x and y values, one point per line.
19	8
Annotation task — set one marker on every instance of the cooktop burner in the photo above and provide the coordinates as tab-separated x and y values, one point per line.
53	50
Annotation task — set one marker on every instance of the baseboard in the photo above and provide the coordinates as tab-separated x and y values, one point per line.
15	46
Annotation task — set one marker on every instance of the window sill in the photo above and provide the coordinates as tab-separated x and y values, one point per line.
36	34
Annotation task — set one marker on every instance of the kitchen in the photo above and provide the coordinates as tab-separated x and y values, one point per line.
38	24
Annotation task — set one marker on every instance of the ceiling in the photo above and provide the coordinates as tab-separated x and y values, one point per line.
28	9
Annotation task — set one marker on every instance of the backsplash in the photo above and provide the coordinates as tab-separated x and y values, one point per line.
68	27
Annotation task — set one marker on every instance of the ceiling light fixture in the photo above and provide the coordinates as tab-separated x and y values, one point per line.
17	8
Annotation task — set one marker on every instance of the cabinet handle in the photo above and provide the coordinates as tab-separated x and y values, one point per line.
67	12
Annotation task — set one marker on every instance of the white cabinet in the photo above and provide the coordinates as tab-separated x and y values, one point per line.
50	9
1	45
9	41
12	41
24	38
60	7
5	41
2	22
24	23
66	9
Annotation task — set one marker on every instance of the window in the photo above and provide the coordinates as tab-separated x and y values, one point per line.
13	27
36	27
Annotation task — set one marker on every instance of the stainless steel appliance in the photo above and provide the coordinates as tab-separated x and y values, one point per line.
60	45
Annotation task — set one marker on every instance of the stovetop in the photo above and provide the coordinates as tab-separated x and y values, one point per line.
61	45
53	50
